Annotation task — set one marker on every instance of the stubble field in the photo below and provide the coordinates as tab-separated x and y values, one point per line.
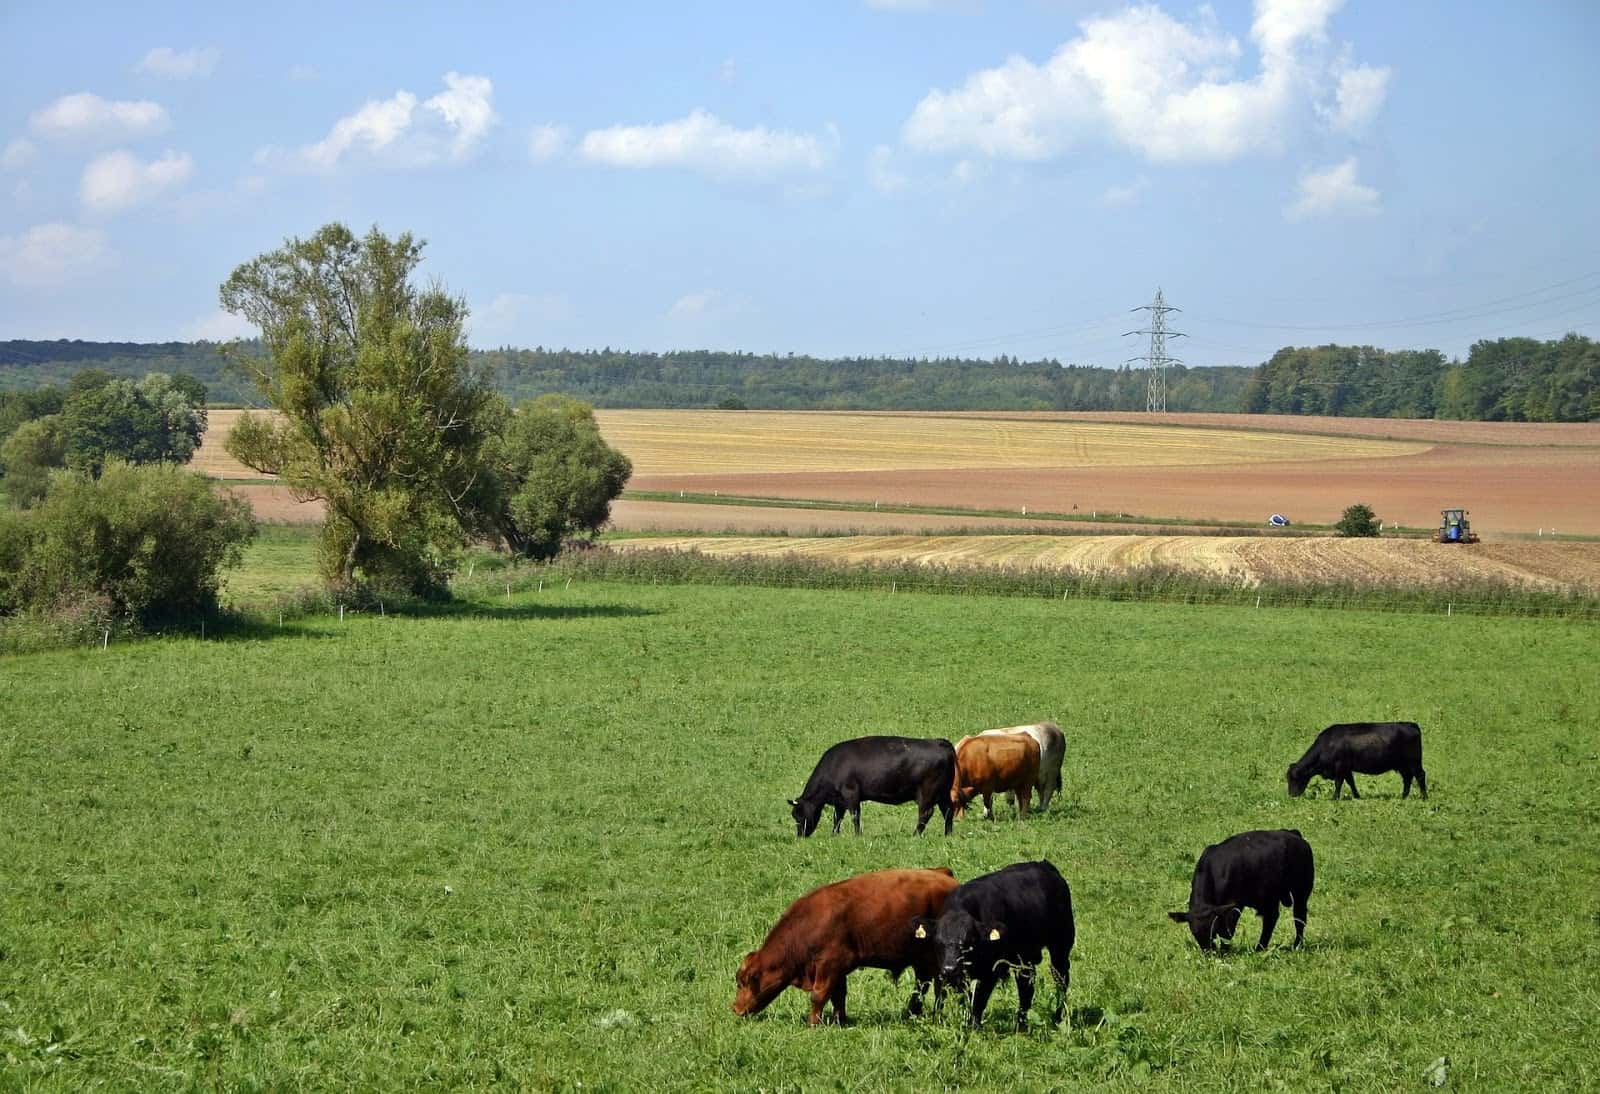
527	840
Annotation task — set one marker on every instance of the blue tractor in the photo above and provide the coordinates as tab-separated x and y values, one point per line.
1454	527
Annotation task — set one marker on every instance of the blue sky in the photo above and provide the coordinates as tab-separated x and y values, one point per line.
856	177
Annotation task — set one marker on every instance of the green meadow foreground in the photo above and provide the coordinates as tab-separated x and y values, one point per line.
530	840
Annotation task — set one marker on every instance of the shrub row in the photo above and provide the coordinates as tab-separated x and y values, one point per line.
1158	584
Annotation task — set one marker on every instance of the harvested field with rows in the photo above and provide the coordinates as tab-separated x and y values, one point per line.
751	442
1515	478
1249	559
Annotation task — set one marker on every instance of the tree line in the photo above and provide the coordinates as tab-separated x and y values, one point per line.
1505	379
1511	379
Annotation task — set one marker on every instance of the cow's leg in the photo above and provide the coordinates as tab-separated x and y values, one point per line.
1022	802
1349	777
1024	978
988	805
949	810
838	818
980	1000
1269	921
1061	970
1300	901
925	808
1338	784
1422	782
855	815
821	989
1046	792
836	997
919	989
1405	790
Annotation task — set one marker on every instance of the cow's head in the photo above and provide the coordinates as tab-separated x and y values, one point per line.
1209	922
965	945
757	985
1297	779
806	814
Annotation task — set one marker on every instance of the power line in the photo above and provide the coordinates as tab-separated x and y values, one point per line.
1157	359
1453	315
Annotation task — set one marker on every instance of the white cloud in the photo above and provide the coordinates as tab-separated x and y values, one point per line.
881	172
1125	195
703	142
119	180
1333	191
50	255
18	154
219	326
1142	79
548	142
515	318
179	64
394	132
964	172
88	115
467	107
1360	95
693	304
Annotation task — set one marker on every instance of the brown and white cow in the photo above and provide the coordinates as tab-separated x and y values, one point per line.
860	922
991	764
1052	748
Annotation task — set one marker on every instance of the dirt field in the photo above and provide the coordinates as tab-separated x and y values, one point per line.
1518	434
1249	559
752	442
1514	478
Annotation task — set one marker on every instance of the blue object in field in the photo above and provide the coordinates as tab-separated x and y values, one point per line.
1278	520
1453	533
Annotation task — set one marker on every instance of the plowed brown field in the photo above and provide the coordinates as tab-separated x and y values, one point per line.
1513	477
1250	559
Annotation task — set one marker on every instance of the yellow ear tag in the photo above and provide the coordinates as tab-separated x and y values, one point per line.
922	932
994	934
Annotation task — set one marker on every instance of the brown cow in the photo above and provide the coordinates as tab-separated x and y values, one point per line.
992	763
860	922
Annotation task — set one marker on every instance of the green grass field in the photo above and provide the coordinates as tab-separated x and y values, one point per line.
530	840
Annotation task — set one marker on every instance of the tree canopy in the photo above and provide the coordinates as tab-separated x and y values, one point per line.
382	415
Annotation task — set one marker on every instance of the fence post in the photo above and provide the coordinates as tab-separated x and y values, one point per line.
1449	609
341	613
105	638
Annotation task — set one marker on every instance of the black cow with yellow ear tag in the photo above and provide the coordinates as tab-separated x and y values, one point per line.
1000	924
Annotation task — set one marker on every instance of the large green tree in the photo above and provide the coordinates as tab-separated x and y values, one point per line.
160	419
380	413
554	476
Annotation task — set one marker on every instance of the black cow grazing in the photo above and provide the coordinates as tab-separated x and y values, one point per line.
1371	748
1256	870
892	770
1002	923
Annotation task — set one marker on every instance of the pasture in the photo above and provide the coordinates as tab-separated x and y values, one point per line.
528	839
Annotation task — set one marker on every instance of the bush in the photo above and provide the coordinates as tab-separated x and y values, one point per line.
1358	520
144	543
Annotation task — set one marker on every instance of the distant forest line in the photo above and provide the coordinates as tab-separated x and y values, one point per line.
1508	379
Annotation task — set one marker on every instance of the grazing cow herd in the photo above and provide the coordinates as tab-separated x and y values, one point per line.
970	936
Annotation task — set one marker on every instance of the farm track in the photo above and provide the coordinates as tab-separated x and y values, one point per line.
1248	559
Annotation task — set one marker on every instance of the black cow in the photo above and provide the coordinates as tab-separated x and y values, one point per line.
892	770
1001	923
1256	870
1370	748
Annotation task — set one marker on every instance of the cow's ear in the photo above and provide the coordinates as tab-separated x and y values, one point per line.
793	802
921	927
1178	917
993	932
